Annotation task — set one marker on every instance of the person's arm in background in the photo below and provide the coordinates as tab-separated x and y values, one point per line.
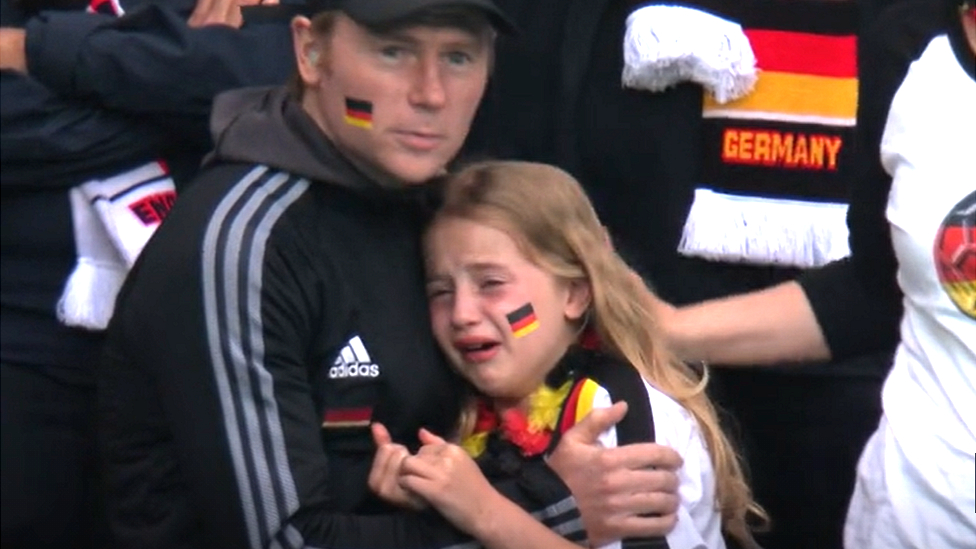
48	142
150	61
867	317
849	307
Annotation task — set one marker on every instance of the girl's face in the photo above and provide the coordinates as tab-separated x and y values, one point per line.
502	320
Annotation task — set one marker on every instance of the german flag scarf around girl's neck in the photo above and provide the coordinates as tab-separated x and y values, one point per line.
776	162
564	398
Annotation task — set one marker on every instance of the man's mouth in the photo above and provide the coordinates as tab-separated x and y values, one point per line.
419	140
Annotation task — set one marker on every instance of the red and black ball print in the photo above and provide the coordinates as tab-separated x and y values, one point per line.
955	255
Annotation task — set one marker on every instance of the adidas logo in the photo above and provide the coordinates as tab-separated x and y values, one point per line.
354	361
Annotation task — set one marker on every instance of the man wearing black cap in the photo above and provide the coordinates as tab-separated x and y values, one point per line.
280	310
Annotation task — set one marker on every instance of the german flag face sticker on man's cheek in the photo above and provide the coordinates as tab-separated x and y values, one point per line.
523	320
359	113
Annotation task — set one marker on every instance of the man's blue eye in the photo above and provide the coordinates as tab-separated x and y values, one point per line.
392	52
458	58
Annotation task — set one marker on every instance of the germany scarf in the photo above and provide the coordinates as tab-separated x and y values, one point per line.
776	162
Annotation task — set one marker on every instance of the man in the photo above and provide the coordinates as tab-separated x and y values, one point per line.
48	146
280	310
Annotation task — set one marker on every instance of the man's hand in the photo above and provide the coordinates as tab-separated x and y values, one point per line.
616	488
13	55
222	12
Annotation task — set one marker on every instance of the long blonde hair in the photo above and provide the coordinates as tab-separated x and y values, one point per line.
551	219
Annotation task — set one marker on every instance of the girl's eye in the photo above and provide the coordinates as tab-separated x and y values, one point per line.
433	293
491	284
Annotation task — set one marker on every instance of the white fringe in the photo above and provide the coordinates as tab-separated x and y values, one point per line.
740	229
108	239
666	45
88	299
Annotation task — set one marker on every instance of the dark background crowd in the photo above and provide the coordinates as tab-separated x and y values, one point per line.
114	84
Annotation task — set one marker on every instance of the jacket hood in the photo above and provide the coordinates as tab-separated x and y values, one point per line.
267	126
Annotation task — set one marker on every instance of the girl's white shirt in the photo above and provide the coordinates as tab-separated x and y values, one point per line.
699	521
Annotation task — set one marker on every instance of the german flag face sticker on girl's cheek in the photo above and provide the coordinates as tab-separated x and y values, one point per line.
523	320
359	113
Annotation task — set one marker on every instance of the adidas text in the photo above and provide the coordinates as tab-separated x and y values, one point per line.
354	370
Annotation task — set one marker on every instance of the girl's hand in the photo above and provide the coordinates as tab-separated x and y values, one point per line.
446	477
384	477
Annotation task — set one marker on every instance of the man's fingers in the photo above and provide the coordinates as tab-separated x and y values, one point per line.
645	455
596	422
645	503
381	435
647	527
232	12
217	12
201	12
13	55
428	438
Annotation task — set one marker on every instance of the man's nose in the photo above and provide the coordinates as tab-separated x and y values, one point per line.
427	91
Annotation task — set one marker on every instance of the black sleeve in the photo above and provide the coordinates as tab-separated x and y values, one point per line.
221	337
857	300
48	142
150	62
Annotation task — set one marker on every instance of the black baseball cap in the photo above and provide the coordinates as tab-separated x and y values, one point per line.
373	13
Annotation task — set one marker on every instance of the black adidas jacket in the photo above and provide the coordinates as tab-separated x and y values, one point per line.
278	309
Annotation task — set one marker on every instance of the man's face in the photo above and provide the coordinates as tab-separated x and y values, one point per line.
399	104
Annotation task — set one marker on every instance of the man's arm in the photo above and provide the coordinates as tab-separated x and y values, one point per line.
150	61
624	492
48	142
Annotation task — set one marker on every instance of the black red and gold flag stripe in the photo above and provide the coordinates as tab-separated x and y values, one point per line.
359	113
347	417
523	320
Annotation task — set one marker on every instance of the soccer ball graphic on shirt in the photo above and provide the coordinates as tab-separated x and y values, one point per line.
955	255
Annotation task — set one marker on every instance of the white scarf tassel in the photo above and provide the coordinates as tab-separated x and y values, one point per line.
667	45
765	231
110	231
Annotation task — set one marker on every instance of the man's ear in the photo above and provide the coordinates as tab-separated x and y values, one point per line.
307	50
578	299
